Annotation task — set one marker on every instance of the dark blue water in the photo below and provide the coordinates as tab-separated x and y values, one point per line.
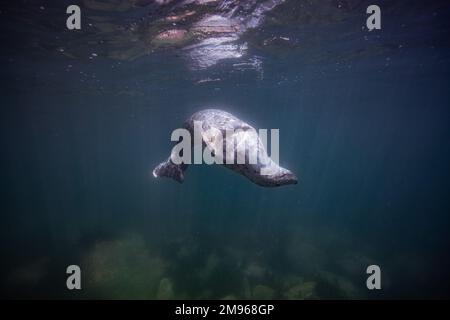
364	123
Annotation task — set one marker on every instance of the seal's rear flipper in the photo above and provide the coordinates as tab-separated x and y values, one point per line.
170	170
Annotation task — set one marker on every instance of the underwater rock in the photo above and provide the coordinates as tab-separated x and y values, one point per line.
229	297
306	257
210	267
255	271
187	247
29	275
303	290
261	292
247	289
336	286
165	290
205	295
354	263
296	287
122	268
237	255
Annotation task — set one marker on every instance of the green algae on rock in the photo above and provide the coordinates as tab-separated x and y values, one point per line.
262	292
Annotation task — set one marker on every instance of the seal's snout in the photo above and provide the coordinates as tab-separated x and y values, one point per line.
291	178
288	178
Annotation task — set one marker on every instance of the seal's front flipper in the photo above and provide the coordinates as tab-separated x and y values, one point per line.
170	170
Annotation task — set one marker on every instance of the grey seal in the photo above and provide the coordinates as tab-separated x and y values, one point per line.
224	122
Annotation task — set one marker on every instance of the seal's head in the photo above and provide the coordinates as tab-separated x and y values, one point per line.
274	176
285	177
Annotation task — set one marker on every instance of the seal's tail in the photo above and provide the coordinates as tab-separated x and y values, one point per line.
170	170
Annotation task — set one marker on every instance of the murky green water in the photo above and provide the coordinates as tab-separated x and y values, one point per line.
363	119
